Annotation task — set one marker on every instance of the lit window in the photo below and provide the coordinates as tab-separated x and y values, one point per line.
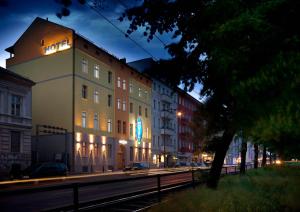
124	105
147	132
84	66
16	102
96	121
130	88
119	82
83	119
146	94
96	71
84	92
109	125
118	104
124	84
96	96
140	92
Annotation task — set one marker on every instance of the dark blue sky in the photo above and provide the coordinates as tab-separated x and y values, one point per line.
16	16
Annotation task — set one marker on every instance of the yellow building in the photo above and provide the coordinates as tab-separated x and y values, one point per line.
86	90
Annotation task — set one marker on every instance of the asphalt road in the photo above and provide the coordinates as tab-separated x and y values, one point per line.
53	199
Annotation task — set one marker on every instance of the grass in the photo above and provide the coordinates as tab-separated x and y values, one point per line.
268	189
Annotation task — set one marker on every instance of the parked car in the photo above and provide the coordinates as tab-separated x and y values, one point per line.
45	170
136	166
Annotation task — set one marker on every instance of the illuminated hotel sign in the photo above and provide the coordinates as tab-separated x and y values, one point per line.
56	47
139	130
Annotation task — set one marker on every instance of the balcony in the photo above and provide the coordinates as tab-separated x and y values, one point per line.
165	130
166	98
16	120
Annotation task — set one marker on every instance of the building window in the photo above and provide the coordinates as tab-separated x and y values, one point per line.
124	105
16	102
140	92
84	91
109	79
130	88
147	132
119	82
131	153
131	129
84	66
109	125
131	107
109	100
154	104
96	96
96	121
124	84
146	94
118	104
119	126
15	141
124	127
84	149
146	112
83	119
153	142
109	150
140	110
96	150
96	71
140	154
154	86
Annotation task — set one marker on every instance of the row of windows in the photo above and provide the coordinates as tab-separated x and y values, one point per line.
95	121
119	128
85	69
84	95
96	148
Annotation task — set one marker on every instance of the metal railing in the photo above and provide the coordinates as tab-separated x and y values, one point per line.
195	176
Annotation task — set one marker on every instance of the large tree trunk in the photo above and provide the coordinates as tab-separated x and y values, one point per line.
255	156
243	157
216	168
264	159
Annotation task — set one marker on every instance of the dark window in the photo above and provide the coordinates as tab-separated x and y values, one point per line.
140	154
109	150
84	149
109	77
131	107
16	105
124	127
119	126
84	91
131	154
140	110
146	112
42	42
15	138
109	103
131	129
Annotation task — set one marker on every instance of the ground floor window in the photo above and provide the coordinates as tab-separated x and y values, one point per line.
140	154
15	138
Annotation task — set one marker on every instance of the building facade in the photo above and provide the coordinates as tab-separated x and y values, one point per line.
186	105
15	122
84	89
164	121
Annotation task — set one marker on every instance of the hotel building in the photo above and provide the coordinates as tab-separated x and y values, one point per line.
104	104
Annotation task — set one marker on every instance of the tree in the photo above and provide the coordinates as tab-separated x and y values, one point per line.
238	50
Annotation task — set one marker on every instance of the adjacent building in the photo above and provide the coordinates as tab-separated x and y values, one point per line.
104	104
15	122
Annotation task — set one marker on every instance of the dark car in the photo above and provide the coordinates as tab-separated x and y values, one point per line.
45	170
135	166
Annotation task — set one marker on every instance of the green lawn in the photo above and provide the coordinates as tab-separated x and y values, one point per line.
268	189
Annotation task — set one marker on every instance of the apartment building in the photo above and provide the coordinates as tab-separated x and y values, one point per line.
15	122
84	89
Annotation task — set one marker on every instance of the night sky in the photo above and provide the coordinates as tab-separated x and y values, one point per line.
17	15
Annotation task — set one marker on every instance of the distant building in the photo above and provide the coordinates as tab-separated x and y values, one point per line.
15	121
104	104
